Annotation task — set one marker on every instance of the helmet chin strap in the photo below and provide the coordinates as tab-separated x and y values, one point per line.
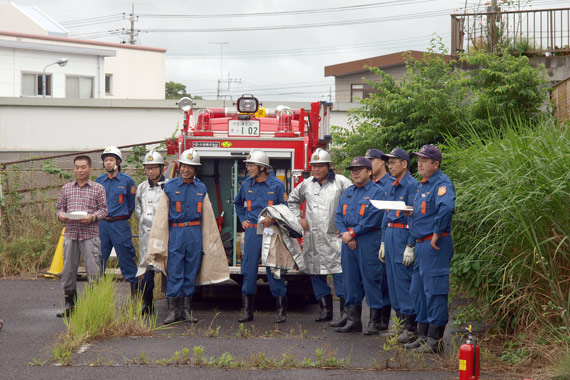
111	170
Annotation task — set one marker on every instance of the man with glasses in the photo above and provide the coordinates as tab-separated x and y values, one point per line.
434	204
357	223
398	256
147	197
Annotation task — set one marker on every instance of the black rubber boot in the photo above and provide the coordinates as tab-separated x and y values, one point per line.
409	334
421	337
386	311
147	297
343	314
70	296
373	322
135	290
186	310
354	322
326	313
281	303
247	311
173	310
434	342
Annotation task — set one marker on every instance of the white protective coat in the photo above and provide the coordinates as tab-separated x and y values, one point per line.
145	209
321	244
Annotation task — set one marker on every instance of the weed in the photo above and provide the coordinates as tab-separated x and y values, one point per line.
243	332
198	355
37	363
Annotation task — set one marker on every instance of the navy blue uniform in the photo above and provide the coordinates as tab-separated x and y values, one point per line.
186	201
387	179
114	229
434	204
361	267
251	199
395	236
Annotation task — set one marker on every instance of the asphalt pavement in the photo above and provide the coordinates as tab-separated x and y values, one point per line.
28	309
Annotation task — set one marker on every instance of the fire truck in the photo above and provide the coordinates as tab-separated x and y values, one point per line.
225	136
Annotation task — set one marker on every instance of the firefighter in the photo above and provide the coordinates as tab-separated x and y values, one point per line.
186	195
321	245
434	204
260	190
115	230
398	257
358	225
147	197
382	179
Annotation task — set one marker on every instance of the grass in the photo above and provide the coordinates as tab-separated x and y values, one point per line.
512	235
100	314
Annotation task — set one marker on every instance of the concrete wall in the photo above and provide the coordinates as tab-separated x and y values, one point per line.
33	126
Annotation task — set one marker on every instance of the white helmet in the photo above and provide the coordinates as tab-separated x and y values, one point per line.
320	156
258	157
190	157
153	158
112	150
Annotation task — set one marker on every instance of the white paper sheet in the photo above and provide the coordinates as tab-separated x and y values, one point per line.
390	205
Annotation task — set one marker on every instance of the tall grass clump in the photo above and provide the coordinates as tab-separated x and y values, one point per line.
101	314
28	234
512	225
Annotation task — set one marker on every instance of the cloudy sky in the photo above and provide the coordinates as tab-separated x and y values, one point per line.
273	49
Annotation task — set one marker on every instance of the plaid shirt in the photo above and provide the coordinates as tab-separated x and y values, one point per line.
90	198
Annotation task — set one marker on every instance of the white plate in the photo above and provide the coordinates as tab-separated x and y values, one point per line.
75	215
390	205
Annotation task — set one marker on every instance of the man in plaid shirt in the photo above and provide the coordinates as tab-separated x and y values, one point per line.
81	235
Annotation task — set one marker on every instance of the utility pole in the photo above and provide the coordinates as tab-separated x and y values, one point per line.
131	32
221	59
228	81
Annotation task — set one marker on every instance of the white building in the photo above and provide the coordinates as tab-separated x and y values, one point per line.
31	42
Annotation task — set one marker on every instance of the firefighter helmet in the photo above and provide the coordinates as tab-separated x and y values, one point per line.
190	157
320	156
258	157
153	158
112	150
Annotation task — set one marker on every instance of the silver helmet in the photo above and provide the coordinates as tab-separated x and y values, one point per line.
258	157
112	150
320	156
190	157
153	158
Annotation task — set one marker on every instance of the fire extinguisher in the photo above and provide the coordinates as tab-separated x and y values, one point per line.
469	358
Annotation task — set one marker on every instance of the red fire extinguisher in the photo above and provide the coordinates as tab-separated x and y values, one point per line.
469	359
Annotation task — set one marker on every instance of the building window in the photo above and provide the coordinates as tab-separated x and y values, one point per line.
356	92
32	84
360	91
108	84
78	87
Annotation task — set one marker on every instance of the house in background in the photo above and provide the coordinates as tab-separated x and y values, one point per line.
31	43
349	86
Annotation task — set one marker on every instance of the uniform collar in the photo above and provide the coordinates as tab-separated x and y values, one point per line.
366	185
161	179
182	182
433	176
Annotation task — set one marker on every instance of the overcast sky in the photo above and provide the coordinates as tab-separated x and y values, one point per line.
270	52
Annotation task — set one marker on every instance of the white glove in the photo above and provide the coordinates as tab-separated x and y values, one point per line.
381	253
408	258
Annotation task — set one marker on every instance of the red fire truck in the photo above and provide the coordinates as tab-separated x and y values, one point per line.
225	136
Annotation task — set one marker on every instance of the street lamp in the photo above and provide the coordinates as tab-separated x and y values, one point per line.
61	62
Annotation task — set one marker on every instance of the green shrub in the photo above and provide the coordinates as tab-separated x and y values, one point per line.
512	225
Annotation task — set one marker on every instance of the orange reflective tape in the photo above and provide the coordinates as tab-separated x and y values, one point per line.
199	207
362	209
423	207
344	209
270	203
133	189
178	206
397	213
248	205
120	198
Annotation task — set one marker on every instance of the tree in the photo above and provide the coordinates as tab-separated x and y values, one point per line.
434	100
176	90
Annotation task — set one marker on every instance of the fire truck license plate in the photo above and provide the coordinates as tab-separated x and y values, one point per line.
243	128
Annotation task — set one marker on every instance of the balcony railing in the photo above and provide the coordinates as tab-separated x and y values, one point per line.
538	31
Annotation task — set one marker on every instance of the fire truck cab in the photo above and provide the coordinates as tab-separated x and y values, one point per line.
225	136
